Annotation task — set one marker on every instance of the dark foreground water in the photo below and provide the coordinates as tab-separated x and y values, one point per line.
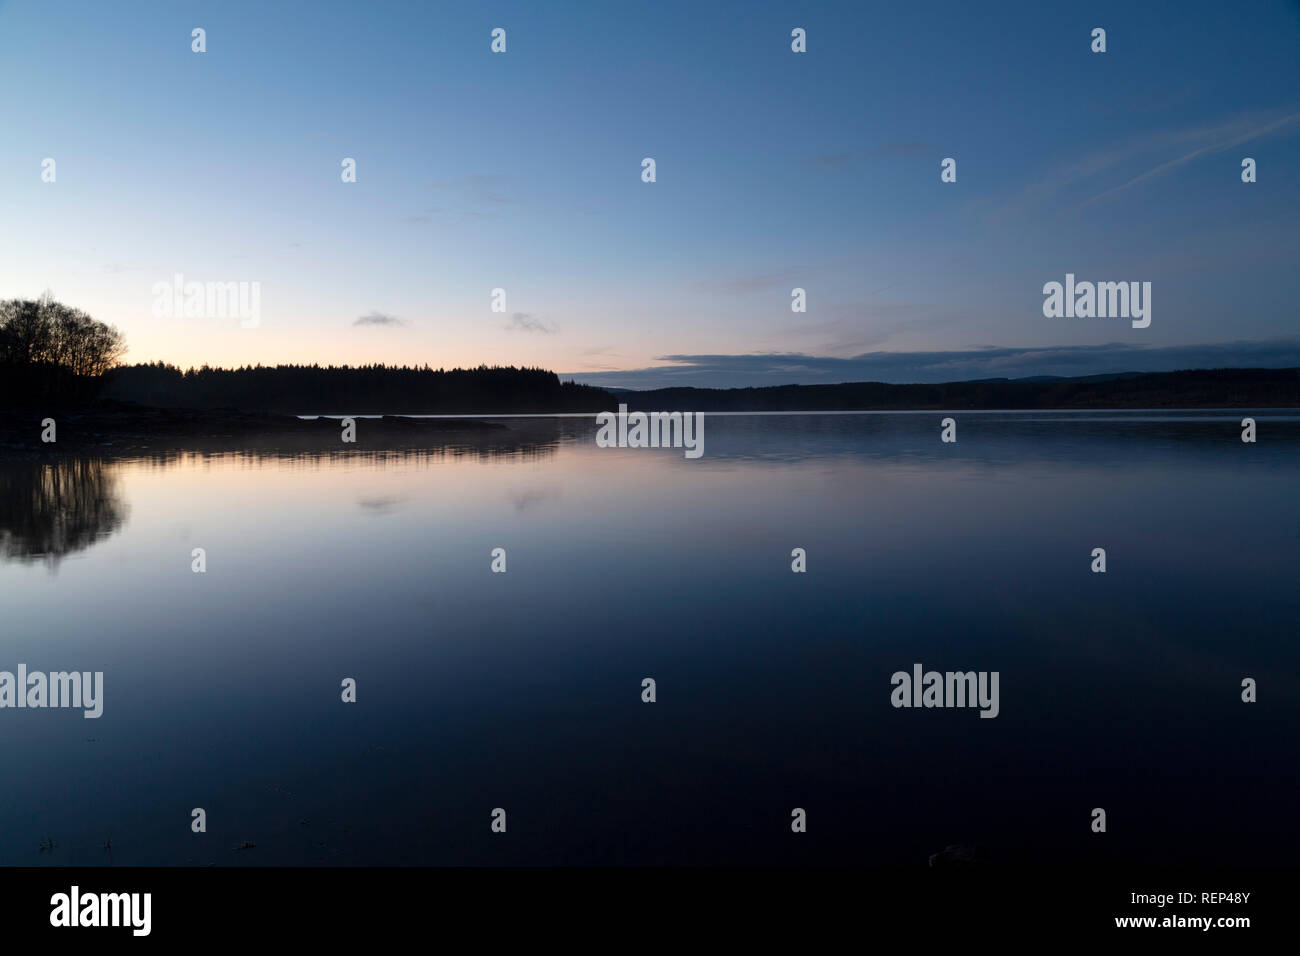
522	690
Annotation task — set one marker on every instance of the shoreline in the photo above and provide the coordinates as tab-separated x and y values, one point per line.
115	427
118	426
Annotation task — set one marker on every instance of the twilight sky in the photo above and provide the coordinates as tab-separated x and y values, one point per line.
522	171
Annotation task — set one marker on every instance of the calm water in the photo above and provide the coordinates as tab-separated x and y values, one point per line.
522	690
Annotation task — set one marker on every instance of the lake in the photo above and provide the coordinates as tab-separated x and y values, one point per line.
523	690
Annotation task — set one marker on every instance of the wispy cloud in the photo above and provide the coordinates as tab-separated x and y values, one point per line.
1225	141
749	282
860	325
527	322
479	188
378	318
1078	174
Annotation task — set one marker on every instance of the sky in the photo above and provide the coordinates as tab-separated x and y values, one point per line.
775	170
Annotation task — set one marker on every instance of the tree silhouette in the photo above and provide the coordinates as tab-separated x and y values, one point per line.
49	350
360	390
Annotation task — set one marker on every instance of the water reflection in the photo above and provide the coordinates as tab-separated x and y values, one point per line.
523	689
49	510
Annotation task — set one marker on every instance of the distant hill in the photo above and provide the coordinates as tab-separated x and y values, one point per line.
393	390
1204	388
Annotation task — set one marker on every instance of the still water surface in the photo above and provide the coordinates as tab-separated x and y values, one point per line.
522	690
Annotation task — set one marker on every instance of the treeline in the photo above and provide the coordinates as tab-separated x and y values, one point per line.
354	389
50	352
1204	388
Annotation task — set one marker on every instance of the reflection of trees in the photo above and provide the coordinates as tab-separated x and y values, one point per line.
51	509
318	443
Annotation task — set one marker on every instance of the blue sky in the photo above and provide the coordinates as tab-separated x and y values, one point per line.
522	171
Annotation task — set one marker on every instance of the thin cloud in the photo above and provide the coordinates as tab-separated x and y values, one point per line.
527	322
378	318
752	282
1188	157
478	188
1207	139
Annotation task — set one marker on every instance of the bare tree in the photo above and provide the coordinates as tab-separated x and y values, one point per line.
28	334
53	347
